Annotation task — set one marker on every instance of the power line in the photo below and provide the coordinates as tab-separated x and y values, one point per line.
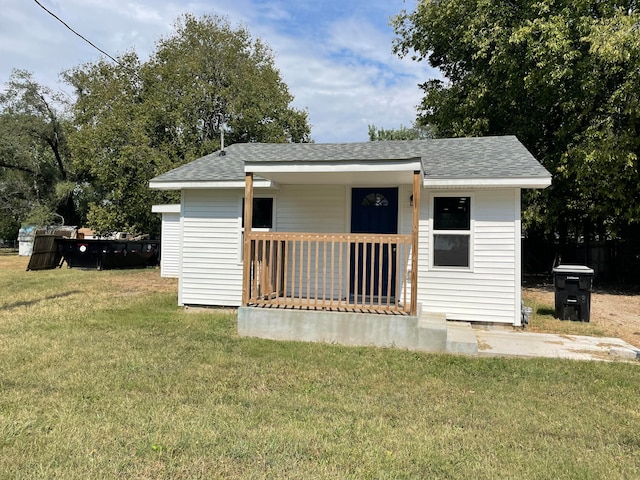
79	35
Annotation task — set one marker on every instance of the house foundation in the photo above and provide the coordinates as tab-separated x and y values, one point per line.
425	333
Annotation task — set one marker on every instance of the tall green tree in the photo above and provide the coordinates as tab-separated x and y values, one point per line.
137	119
37	179
561	75
114	145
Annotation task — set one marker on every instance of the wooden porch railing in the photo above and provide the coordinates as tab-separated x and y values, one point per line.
340	272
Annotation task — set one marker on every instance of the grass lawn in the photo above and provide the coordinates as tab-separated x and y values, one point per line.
103	376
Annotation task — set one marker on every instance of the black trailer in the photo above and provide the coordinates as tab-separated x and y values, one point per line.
108	254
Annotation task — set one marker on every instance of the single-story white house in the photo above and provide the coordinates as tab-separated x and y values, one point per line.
333	228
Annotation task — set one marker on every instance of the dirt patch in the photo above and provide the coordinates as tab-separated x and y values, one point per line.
134	282
615	314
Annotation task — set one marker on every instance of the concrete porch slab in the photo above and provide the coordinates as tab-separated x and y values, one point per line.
422	333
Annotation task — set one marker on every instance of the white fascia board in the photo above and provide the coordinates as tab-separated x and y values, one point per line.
209	184
174	208
322	167
525	182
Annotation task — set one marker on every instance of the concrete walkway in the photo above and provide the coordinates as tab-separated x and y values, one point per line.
500	341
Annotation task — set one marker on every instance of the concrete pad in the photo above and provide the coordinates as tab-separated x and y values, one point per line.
625	353
429	332
503	342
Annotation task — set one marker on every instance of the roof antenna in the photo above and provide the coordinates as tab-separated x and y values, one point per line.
221	123
222	152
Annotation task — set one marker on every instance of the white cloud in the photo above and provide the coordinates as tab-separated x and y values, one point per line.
359	37
350	81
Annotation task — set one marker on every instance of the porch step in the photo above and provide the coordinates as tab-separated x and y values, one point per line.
461	338
431	332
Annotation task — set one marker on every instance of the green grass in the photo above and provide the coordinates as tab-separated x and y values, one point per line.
102	376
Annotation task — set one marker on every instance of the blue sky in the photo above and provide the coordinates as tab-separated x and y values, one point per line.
335	55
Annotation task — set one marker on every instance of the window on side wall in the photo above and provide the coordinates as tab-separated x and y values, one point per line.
452	232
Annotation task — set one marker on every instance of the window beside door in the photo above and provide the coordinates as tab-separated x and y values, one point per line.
262	213
262	221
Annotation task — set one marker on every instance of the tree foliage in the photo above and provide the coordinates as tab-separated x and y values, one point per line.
416	132
561	75
113	145
37	180
137	119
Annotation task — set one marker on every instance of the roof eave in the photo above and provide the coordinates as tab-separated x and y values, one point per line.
207	184
170	208
506	182
395	165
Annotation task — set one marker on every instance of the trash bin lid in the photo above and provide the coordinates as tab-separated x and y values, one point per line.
577	269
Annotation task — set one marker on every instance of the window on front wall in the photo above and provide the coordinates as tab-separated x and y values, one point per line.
262	220
451	231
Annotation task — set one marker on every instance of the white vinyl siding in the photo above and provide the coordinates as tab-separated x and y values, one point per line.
170	245
314	209
211	249
490	291
211	274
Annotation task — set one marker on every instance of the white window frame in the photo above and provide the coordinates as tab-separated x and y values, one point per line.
241	227
433	232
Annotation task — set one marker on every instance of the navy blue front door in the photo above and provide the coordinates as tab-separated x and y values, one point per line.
373	210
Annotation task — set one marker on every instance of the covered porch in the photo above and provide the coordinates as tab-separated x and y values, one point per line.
361	273
364	272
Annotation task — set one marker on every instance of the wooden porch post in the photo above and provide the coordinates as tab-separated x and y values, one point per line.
248	221
414	242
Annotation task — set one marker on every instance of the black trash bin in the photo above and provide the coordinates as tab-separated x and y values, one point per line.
573	292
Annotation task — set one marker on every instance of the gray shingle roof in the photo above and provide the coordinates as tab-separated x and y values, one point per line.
478	157
212	167
484	157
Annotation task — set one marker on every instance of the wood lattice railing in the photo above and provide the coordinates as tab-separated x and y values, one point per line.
341	272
